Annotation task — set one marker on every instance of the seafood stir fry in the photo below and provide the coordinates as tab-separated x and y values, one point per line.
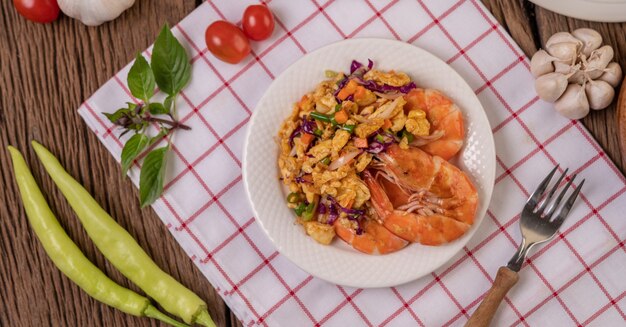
365	157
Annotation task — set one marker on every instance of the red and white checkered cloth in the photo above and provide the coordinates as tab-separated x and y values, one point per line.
576	279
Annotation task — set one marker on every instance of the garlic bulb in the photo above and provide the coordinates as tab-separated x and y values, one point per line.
573	104
94	12
612	74
591	39
599	93
576	73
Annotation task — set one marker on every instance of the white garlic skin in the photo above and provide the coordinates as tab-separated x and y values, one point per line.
561	67
564	51
562	37
599	93
550	86
94	12
600	58
541	63
573	103
591	39
612	74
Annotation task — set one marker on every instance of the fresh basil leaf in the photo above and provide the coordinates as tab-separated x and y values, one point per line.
169	101
158	109
114	117
170	63
133	147
152	176
159	136
141	79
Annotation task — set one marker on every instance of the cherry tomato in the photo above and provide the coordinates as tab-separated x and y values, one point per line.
226	42
40	11
258	22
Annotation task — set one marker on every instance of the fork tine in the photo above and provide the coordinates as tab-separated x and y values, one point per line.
558	221
534	198
547	199
559	198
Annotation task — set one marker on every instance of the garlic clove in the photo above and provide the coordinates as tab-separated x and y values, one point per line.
562	37
577	75
599	58
561	67
550	86
94	12
599	93
541	63
573	103
612	74
591	39
564	51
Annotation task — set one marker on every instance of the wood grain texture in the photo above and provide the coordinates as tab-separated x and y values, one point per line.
46	71
505	279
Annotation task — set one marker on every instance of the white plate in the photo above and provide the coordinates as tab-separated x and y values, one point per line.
339	263
595	10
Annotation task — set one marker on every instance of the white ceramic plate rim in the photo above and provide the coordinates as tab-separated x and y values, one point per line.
598	10
318	263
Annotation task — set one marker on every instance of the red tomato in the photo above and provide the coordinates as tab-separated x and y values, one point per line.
226	42
258	22
40	11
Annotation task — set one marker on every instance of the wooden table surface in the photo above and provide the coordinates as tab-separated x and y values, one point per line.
48	70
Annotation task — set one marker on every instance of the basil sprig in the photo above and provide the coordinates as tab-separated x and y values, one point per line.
170	70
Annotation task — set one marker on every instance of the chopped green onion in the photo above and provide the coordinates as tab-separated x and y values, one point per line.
380	138
333	121
330	73
300	209
294	197
308	213
321	117
349	128
337	107
318	132
325	161
409	136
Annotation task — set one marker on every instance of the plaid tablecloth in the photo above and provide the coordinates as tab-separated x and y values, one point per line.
576	279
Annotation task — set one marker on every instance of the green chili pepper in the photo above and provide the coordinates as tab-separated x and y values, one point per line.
349	128
119	247
380	138
293	197
325	161
68	258
310	210
300	209
409	136
337	107
318	132
321	117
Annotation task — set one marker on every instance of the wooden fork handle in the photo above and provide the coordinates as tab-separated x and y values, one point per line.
505	279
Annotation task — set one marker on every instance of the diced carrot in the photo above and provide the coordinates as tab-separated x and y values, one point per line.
387	124
341	116
360	142
347	90
359	94
306	138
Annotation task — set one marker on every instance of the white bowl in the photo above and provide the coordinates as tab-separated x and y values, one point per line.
338	262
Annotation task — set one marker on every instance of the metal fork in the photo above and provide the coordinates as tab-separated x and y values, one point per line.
538	226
